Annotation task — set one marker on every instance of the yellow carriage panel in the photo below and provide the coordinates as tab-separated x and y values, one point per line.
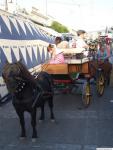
55	68
81	68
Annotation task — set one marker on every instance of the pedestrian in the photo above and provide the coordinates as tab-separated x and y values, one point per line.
102	52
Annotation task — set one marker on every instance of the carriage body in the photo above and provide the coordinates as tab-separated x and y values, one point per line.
65	78
67	68
78	70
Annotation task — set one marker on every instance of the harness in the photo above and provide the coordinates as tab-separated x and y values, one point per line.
21	83
38	89
20	86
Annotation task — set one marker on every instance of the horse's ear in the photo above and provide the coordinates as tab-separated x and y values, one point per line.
3	75
6	61
20	60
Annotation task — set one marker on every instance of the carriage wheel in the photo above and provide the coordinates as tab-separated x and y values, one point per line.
86	95
100	83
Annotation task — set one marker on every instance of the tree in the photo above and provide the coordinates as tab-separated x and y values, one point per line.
59	27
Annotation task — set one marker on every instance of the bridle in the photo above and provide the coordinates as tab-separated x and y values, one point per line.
20	85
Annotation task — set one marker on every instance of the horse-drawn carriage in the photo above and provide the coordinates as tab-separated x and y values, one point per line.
79	69
28	92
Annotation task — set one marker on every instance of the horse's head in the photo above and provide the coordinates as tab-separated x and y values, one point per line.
16	75
11	73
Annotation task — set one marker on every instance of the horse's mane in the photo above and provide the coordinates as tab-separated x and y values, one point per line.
26	74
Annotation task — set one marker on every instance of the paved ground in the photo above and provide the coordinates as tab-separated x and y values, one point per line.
75	128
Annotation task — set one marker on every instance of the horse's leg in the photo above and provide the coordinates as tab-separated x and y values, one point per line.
33	123
50	103
108	77
42	116
22	123
109	74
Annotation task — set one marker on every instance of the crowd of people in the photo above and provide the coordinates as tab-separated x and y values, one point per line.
102	48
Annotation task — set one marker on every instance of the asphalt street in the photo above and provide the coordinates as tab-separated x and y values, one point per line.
76	128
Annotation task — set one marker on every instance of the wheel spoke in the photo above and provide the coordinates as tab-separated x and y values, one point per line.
100	85
86	97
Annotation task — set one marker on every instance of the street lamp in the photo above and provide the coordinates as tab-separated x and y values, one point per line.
6	5
46	6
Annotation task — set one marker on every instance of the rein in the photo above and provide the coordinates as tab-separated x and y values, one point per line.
43	66
39	95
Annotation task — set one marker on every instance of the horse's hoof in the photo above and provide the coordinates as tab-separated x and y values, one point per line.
34	139
53	120
22	138
40	121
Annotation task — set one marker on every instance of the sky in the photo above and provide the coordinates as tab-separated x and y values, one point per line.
90	15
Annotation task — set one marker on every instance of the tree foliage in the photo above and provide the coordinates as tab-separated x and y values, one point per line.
59	27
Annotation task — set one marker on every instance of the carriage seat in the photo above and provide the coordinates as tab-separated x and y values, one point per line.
77	61
73	50
76	55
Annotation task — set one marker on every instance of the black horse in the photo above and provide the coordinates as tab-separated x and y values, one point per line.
28	93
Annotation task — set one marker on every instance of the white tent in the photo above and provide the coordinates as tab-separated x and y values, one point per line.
51	31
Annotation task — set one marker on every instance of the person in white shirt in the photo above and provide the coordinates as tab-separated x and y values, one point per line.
80	43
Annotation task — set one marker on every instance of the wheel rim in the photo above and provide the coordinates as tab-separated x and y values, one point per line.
87	95
100	85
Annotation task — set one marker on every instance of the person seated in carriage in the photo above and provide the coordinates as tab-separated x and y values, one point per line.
57	56
80	43
57	50
62	44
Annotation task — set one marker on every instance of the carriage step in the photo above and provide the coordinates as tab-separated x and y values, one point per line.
82	81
